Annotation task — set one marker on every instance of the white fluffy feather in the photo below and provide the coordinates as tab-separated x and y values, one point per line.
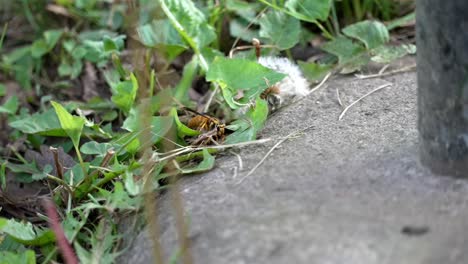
294	85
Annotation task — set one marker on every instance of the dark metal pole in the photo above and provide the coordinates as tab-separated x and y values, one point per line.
442	56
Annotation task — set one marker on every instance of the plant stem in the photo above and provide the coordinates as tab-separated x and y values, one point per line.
357	9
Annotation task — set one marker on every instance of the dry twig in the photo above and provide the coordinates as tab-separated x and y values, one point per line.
362	97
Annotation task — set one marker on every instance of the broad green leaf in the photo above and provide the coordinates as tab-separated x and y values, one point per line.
26	257
162	35
280	29
132	186
238	29
258	114
124	94
46	124
51	37
43	174
73	125
73	70
17	54
25	233
64	69
250	124
119	199
387	54
132	122
228	96
39	48
69	45
101	245
205	165
183	130
372	33
79	52
344	48
210	54
95	148
160	125
239	74
190	21
314	71
246	10
44	45
309	10
407	19
10	106
95	50
77	172
109	44
9	244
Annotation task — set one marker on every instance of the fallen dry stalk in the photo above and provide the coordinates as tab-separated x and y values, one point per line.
271	150
362	97
381	74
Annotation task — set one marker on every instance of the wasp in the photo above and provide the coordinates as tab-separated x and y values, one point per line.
211	128
272	96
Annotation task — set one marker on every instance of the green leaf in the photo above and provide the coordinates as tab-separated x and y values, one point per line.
182	130
64	68
10	106
124	94
46	124
109	44
25	233
77	172
119	199
372	33
280	29
314	71
309	10
39	48
162	35
73	125
205	165
95	148
43	174
248	126
189	21
95	51
160	125
238	29
407	19
79	52
17	54
344	48
26	257
246	10
240	74
387	54
44	45
51	38
73	70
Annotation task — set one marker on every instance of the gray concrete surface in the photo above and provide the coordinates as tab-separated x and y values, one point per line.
340	193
